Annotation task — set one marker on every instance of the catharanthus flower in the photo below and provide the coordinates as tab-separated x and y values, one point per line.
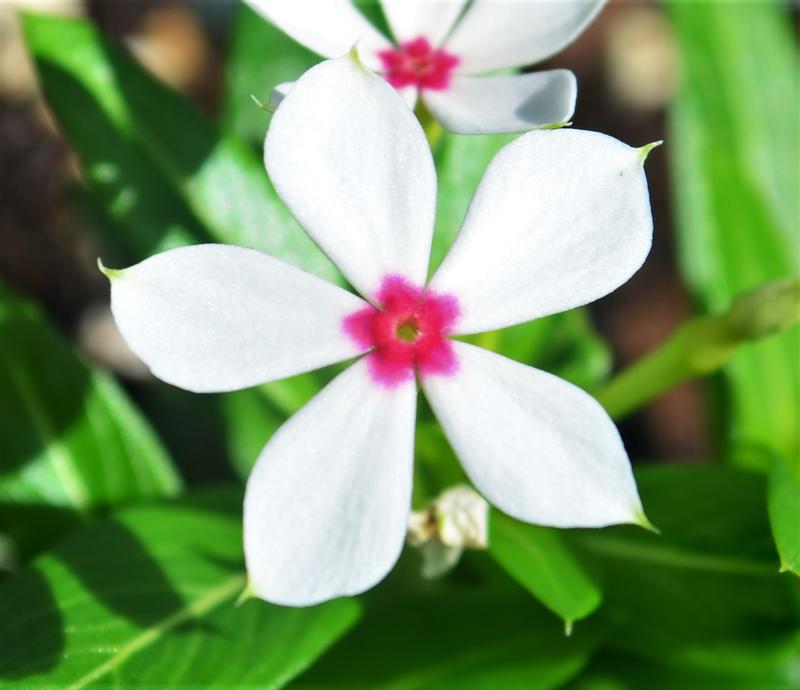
441	46
561	218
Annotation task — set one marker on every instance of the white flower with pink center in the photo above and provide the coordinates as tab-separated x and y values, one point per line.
561	218
442	44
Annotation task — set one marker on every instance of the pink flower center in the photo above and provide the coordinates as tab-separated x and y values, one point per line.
407	333
417	63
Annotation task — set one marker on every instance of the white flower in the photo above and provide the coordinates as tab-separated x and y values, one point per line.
458	519
561	218
441	46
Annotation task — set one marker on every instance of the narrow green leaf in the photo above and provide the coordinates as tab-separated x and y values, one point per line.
453	640
540	560
148	600
759	118
735	150
71	442
154	162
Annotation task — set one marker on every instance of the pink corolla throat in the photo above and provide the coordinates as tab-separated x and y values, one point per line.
418	63
406	333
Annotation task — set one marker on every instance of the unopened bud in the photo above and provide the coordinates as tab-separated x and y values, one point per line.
457	519
767	309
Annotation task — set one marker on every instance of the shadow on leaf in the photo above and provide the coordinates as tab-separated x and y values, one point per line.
32	634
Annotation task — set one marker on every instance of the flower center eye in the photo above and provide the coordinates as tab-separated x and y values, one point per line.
418	63
407	331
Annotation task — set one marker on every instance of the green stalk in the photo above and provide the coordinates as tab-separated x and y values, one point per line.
433	130
703	345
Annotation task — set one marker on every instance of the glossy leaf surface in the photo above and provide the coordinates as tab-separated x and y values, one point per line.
148	599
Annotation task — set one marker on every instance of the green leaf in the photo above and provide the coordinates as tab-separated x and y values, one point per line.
252	416
71	440
154	163
147	599
540	560
735	149
472	639
707	583
250	420
765	669
784	510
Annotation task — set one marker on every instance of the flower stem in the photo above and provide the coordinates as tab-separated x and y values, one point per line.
433	130
703	345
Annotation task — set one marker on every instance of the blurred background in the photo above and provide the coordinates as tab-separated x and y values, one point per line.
628	70
148	138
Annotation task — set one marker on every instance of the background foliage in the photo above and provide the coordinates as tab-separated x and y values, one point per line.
118	571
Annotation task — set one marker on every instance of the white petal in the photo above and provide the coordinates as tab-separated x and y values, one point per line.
510	33
328	501
433	19
352	163
218	318
539	448
511	103
409	95
328	27
279	93
560	219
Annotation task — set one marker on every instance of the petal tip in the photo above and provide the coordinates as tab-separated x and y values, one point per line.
645	150
246	595
110	273
641	520
353	56
557	125
266	107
